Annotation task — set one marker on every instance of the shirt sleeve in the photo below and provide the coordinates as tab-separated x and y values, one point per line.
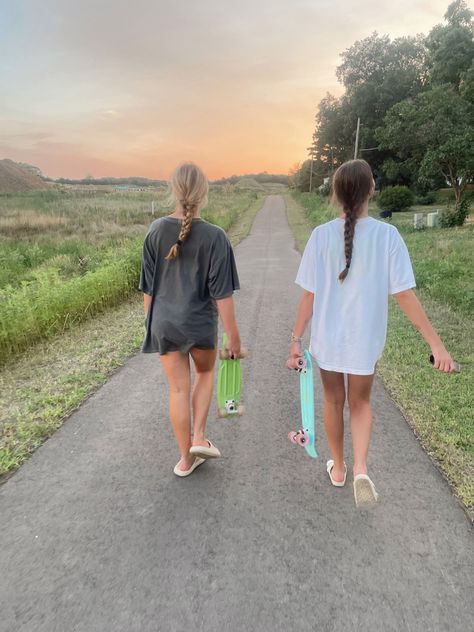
306	277
401	275
223	278
148	266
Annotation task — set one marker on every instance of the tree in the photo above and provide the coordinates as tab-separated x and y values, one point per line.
377	73
433	134
451	46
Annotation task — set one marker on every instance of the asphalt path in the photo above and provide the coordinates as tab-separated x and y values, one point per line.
97	534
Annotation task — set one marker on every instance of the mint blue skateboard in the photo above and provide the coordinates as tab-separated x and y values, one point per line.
306	436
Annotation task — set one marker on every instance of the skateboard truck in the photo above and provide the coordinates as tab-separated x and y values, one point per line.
301	437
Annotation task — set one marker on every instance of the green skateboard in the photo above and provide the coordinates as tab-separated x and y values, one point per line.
229	383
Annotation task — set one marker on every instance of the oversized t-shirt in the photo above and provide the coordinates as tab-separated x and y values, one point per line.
349	323
183	313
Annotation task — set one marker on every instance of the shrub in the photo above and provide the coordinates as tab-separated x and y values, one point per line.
456	216
427	198
397	198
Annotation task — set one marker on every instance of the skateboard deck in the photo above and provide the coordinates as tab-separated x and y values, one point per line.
229	384
306	435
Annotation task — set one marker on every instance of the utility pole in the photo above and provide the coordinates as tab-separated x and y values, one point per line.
356	150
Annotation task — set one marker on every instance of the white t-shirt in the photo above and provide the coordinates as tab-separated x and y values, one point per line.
349	323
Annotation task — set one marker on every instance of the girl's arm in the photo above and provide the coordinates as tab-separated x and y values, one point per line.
414	311
146	303
226	309
303	315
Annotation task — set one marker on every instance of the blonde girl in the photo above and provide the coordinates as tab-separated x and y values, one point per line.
349	267
188	278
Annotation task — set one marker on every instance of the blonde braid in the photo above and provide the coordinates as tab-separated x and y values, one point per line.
184	232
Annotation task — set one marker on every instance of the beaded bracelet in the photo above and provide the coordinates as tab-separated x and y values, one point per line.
296	338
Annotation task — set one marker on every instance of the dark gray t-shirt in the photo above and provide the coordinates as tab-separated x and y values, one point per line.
183	312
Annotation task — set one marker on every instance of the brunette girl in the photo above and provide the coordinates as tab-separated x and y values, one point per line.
349	267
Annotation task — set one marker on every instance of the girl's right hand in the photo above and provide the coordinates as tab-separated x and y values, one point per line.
233	345
443	361
295	356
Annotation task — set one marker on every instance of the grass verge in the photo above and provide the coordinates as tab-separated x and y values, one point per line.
68	270
39	389
438	407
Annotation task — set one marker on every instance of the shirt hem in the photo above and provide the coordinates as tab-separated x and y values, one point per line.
330	367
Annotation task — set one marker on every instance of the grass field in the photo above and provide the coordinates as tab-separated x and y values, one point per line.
68	254
439	407
39	389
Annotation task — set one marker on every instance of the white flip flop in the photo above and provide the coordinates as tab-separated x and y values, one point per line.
365	494
205	452
197	462
329	466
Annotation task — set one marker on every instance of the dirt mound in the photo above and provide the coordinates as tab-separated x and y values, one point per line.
14	178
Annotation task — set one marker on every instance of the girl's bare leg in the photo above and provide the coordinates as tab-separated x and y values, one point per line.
334	398
177	370
204	360
359	389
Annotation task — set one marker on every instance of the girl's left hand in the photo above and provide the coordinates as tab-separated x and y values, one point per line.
295	356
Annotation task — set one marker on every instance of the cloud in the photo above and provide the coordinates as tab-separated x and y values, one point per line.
140	85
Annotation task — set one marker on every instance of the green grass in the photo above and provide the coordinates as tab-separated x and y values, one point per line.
40	389
70	254
439	407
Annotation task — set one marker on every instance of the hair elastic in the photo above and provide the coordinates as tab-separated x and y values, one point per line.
179	242
348	265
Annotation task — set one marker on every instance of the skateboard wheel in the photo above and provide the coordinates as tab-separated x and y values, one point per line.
222	412
223	354
241	409
243	352
292	436
302	437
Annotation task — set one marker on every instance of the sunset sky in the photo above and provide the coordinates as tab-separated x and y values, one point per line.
115	87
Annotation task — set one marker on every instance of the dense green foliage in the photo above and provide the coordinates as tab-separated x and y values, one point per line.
415	100
397	198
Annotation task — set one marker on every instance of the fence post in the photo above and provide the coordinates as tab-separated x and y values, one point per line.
418	220
433	220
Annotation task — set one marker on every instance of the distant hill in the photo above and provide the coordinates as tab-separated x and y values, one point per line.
261	178
134	181
15	177
249	183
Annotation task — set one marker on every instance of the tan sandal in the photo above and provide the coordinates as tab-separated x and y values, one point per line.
197	462
329	466
365	494
205	452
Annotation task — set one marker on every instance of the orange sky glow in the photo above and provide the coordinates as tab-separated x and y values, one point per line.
118	88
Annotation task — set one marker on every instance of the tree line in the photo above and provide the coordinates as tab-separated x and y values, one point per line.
414	97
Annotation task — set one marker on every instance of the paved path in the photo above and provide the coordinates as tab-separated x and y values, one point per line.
98	535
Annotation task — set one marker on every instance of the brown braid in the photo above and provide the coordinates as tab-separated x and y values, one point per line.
352	184
349	229
184	232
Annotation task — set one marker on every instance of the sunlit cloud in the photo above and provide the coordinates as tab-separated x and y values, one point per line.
114	88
